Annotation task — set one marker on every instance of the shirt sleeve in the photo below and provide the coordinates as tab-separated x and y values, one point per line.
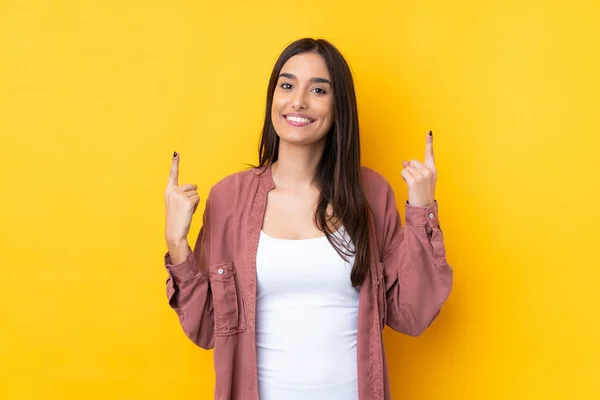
418	279
188	288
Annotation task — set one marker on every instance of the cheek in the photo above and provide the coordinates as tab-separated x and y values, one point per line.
274	111
327	110
277	105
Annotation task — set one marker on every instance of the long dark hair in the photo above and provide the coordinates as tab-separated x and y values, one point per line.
338	174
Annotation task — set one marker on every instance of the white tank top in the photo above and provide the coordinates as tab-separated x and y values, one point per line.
306	321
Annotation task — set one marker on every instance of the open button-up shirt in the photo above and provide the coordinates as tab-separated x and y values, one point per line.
213	291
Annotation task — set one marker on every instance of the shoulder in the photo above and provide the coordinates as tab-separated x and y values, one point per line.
380	196
233	186
374	184
231	181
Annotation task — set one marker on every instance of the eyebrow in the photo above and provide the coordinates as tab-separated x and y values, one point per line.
315	79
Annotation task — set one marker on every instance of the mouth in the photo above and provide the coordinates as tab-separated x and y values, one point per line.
298	120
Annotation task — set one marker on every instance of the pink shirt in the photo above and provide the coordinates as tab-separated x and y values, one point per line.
213	291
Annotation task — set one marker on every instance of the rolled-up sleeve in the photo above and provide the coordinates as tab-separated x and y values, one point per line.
188	288
418	279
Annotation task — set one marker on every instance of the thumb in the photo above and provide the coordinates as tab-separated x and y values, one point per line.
174	173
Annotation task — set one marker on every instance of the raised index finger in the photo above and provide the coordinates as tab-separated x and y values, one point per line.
174	173
429	158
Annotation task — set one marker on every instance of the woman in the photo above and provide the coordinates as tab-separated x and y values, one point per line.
302	260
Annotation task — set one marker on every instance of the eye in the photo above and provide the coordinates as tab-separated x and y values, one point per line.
285	86
320	90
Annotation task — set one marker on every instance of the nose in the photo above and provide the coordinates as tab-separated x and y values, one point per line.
299	102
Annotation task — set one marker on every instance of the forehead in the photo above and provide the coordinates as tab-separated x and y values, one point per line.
306	66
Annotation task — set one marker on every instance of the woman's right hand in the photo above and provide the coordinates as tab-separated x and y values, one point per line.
181	203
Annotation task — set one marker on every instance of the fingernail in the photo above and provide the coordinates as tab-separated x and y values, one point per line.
174	154
430	133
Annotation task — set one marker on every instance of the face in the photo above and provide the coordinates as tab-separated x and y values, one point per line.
302	110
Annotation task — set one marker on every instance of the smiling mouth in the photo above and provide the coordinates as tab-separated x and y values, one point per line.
298	121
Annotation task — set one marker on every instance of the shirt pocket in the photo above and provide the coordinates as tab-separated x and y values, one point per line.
381	296
228	305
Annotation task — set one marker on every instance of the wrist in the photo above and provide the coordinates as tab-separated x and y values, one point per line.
420	204
178	252
177	244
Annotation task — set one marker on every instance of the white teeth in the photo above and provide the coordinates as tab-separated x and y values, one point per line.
298	119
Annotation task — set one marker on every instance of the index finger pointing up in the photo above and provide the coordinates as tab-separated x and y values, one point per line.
174	173
429	159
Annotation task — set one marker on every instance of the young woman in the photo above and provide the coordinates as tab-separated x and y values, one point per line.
302	260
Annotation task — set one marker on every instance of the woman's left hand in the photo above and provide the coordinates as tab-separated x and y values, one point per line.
421	177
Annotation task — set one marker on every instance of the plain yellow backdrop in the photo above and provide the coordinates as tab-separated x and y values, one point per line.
96	95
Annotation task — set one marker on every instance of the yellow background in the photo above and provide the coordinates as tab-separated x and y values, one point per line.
96	95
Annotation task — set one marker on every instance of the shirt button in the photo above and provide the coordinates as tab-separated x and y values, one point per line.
431	215
220	271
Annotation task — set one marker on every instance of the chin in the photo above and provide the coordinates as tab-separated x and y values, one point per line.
297	135
294	137
301	139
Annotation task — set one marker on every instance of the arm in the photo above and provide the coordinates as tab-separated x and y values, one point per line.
188	288
417	277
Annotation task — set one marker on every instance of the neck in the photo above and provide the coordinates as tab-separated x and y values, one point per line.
296	165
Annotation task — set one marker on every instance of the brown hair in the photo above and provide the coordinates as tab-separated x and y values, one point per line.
338	174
